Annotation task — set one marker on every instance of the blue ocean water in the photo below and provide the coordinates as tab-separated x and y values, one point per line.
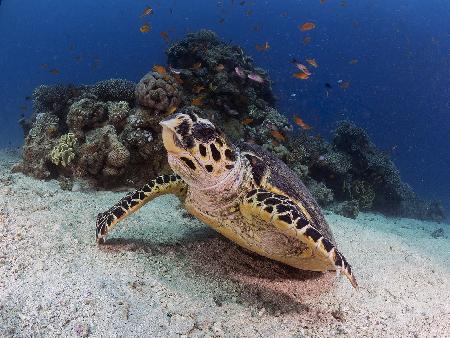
399	86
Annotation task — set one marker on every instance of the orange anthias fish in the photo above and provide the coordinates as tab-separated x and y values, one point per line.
344	84
196	66
247	121
299	122
301	67
145	28
353	61
54	71
165	36
278	135
262	48
306	40
147	11
312	62
171	110
198	101
220	67
307	26
161	70
301	75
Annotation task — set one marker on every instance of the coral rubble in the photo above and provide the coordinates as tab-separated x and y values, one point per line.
109	134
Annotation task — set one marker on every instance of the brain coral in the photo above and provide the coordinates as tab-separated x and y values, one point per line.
158	92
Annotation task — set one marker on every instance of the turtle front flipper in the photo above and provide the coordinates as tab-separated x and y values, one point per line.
283	214
162	185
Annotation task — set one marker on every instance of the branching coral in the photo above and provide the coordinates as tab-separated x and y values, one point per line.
114	90
64	152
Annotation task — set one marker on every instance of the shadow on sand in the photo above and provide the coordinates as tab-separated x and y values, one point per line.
231	273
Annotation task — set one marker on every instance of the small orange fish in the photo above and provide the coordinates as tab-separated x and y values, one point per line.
307	26
299	122
301	75
165	36
147	11
161	70
145	28
353	62
247	121
54	71
197	89
171	110
306	40
220	67
23	108
263	47
312	62
198	101
196	66
344	84
322	1
278	135
44	66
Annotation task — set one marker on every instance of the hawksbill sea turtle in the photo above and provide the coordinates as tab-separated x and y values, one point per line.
242	191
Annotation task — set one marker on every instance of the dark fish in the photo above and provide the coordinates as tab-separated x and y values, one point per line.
328	86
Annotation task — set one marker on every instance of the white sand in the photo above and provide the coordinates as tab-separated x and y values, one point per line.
164	274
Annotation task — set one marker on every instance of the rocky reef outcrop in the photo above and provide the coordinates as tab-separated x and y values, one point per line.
108	134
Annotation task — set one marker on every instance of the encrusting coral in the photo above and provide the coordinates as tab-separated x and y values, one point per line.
64	152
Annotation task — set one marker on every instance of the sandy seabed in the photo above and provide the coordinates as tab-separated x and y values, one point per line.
164	274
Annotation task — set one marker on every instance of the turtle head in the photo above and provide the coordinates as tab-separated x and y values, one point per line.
197	150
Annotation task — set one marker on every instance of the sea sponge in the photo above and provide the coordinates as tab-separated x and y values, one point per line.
64	152
158	92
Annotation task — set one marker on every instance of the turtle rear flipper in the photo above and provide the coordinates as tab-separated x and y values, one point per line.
287	217
162	185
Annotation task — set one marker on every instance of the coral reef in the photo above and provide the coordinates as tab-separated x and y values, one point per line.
215	76
114	138
109	134
360	175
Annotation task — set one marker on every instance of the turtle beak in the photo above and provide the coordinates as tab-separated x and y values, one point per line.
170	122
169	136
